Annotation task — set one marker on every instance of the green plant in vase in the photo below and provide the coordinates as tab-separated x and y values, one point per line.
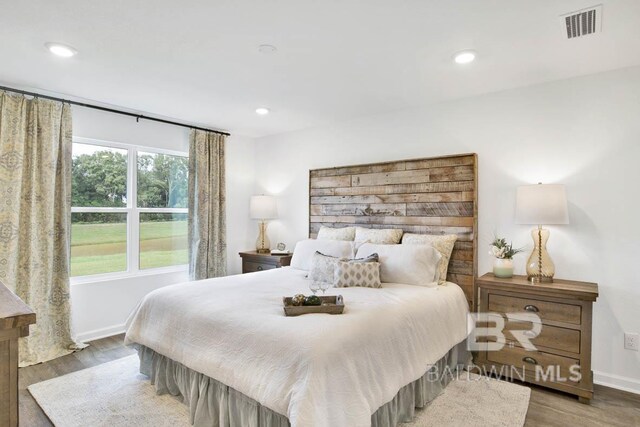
503	253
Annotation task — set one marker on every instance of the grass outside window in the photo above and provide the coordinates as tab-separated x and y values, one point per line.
128	208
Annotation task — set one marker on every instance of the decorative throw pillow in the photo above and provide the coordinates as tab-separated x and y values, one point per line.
379	236
370	258
443	244
357	273
305	249
408	264
322	267
343	233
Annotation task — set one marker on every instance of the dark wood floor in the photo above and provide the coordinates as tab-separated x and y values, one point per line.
547	408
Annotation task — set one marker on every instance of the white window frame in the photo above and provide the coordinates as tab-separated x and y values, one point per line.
133	213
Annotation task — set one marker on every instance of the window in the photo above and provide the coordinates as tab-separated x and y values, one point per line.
163	239
129	208
162	199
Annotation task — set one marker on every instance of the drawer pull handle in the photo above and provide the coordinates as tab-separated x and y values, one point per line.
531	360
260	268
531	308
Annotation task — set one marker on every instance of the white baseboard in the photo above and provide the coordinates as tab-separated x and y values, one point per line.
617	382
96	334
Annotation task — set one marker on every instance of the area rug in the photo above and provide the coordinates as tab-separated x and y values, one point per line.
115	394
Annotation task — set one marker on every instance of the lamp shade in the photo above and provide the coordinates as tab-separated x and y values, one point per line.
263	207
542	204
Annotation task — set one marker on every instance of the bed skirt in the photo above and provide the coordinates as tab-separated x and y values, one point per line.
212	403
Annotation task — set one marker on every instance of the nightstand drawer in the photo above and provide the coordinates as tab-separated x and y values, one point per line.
563	346
551	337
253	261
520	358
250	267
547	310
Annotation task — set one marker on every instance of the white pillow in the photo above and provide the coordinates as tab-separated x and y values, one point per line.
343	233
375	235
304	250
408	264
442	243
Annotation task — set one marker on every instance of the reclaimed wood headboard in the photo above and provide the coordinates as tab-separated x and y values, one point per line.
436	195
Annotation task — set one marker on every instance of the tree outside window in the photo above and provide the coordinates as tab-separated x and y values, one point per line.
110	232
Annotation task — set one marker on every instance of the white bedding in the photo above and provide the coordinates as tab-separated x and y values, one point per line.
317	369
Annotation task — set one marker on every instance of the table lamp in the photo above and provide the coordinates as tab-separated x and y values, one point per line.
541	204
263	208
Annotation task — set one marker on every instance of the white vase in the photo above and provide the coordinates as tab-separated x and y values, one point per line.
503	268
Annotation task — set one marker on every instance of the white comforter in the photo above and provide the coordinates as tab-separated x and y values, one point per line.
317	369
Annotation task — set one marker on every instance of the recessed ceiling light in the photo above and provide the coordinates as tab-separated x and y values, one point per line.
464	57
60	49
267	48
262	111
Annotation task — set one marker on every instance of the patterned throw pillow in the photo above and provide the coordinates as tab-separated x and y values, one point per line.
322	267
357	273
378	236
443	244
370	258
343	233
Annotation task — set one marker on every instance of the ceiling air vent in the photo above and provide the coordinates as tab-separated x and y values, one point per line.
583	22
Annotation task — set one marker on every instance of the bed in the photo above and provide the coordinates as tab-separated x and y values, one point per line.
226	348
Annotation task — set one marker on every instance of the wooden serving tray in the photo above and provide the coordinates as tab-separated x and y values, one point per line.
333	304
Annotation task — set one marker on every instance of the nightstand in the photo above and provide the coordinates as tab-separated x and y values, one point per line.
563	345
253	261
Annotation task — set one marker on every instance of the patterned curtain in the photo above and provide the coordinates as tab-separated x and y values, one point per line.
35	216
207	216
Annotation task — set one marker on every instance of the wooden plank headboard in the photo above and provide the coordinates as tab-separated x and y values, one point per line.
431	196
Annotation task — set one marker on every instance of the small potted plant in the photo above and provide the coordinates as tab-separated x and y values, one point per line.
503	253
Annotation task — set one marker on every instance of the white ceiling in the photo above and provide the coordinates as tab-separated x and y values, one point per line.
198	60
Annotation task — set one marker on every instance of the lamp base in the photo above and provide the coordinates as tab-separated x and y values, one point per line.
540	267
263	246
538	279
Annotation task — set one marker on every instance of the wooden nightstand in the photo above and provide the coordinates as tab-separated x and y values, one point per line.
564	308
253	261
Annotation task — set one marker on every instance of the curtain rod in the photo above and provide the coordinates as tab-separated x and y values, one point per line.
111	110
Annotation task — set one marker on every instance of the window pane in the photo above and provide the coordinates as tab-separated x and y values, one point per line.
162	181
99	176
98	243
163	239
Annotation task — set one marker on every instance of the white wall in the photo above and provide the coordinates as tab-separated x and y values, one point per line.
583	132
101	308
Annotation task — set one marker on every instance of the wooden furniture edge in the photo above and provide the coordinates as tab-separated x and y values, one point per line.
254	253
587	291
14	313
15	318
266	258
448	156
